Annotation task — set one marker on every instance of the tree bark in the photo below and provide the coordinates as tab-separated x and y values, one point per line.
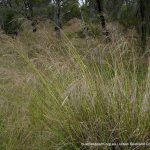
143	28
58	17
91	9
102	19
99	5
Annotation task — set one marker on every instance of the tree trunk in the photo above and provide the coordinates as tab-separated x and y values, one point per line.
9	3
28	9
102	19
91	9
99	5
30	5
143	28
29	14
58	17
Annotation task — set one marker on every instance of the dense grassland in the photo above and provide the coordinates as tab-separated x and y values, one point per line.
59	93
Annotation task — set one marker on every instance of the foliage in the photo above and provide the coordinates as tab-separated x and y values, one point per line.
70	10
9	20
50	11
128	16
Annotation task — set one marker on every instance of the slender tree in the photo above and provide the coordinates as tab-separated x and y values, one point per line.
29	13
57	16
143	24
102	18
91	9
6	3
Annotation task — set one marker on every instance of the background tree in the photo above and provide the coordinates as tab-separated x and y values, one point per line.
144	7
70	10
57	16
129	13
102	18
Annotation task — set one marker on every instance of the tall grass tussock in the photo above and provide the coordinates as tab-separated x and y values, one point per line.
60	93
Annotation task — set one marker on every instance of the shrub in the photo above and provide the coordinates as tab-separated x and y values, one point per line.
9	21
50	12
74	12
127	16
95	30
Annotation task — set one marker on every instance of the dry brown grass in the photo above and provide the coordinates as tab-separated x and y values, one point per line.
56	93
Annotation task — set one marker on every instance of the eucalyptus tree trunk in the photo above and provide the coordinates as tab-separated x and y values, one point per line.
29	14
144	7
91	9
143	26
30	4
58	24
144	19
28	9
9	3
6	3
102	19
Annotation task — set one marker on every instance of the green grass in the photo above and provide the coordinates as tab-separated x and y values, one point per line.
57	94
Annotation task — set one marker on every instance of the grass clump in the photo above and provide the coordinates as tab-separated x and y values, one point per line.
64	96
